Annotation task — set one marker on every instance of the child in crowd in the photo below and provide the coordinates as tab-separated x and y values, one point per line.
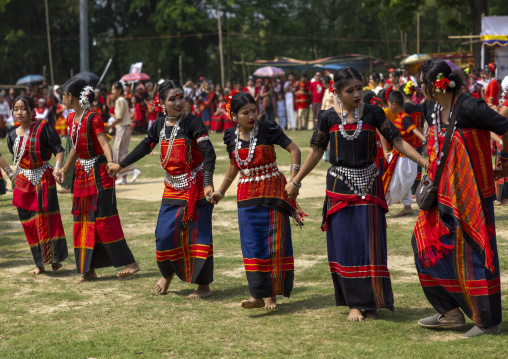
196	107
401	172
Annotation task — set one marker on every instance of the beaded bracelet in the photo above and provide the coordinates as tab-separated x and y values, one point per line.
296	185
294	166
503	155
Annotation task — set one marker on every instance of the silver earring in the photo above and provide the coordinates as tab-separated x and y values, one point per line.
164	109
234	118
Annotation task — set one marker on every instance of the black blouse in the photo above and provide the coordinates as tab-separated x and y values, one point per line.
473	113
360	152
191	128
410	108
50	142
269	133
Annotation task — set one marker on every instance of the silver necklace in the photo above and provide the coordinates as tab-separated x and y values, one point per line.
252	147
344	122
19	152
436	121
172	137
75	130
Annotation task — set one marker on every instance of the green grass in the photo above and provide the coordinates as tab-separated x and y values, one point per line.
49	316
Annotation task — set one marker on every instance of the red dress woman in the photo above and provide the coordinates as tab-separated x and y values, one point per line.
32	144
98	236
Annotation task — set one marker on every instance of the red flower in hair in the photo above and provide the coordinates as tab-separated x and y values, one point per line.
228	103
331	89
387	92
157	103
492	66
442	84
375	101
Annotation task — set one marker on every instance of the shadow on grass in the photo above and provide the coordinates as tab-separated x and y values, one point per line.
218	295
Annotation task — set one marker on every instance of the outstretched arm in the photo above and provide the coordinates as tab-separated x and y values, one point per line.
407	150
311	161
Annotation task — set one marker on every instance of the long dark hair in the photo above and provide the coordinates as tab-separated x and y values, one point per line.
430	69
166	86
344	75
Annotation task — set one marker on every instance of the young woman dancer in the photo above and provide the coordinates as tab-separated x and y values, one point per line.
264	207
184	228
97	233
355	204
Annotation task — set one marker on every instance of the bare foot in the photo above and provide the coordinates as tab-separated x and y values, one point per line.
88	276
163	284
355	316
56	266
130	269
405	212
372	314
270	303
253	303
203	291
37	270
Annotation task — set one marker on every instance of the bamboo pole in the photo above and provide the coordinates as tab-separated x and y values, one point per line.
49	45
220	47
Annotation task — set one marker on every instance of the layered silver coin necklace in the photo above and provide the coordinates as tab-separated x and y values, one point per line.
252	147
343	116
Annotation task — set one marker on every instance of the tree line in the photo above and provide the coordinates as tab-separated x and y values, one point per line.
160	32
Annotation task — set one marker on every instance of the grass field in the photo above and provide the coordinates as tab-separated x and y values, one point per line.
49	316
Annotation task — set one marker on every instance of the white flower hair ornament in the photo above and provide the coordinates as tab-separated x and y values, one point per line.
451	84
84	97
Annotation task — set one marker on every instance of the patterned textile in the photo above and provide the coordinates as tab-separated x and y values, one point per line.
26	195
270	189
97	232
459	196
186	251
265	236
460	279
43	228
185	157
98	236
360	281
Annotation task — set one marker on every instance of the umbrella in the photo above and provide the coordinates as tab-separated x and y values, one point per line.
87	76
269	71
135	77
413	59
30	79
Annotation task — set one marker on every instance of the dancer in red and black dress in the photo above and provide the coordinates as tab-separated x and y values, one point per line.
183	236
454	242
32	144
98	236
264	207
355	206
